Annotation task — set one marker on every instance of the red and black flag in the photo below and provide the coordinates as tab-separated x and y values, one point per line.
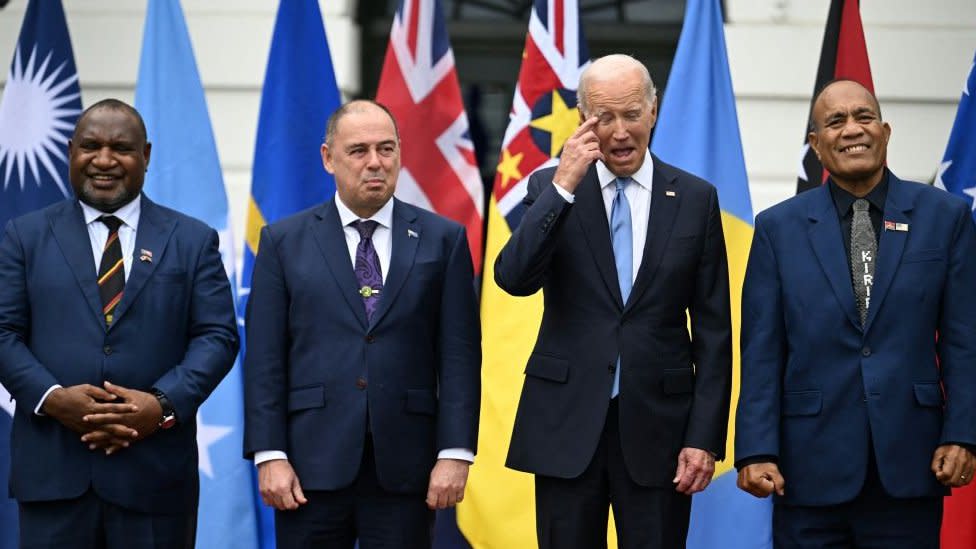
844	54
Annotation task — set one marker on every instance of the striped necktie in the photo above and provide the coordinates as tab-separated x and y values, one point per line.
111	270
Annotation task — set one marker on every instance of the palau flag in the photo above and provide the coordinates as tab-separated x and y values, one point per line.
498	511
299	94
40	104
957	174
185	175
698	131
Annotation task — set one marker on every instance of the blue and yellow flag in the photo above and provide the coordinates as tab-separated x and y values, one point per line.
698	131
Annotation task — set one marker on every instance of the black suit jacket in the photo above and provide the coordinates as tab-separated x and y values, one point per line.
674	389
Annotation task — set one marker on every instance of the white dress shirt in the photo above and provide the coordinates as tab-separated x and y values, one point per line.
383	244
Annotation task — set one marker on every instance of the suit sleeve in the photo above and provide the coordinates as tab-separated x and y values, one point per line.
957	334
764	351
265	359
21	373
459	377
711	337
523	264
213	337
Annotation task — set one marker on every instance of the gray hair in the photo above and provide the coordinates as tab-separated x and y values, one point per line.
605	68
356	105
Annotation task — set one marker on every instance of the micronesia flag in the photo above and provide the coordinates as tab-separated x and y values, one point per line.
40	103
185	175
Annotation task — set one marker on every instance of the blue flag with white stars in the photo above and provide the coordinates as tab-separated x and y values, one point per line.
957	173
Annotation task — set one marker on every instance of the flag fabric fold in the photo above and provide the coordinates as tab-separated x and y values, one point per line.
498	510
844	54
185	175
40	104
419	85
698	131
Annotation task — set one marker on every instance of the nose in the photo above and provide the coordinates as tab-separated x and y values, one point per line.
103	157
619	129
851	128
373	158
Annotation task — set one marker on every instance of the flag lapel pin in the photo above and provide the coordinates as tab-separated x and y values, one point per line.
671	194
412	233
145	256
893	226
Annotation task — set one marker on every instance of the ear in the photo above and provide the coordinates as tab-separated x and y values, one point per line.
887	132
814	141
146	152
327	159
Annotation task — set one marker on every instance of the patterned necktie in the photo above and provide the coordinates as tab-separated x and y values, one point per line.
623	254
368	271
111	270
864	251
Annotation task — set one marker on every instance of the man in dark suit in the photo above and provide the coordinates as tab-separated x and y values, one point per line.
116	322
620	407
858	346
362	371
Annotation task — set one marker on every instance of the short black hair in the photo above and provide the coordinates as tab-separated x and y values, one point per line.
332	125
115	105
812	123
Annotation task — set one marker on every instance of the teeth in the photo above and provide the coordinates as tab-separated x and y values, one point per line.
855	148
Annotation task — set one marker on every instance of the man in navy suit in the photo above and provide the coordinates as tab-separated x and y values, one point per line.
362	371
621	405
858	346
116	322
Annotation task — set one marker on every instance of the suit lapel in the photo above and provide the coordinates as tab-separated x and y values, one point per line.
827	243
331	239
596	230
68	226
404	240
155	229
891	245
663	212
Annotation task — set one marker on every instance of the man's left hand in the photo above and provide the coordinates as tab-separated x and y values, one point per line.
695	470
144	421
447	481
953	465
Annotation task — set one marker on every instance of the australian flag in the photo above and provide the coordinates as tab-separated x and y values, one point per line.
40	104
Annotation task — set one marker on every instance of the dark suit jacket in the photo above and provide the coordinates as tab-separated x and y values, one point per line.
174	330
309	346
817	389
674	390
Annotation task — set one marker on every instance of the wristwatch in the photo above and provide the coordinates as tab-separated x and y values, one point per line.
169	413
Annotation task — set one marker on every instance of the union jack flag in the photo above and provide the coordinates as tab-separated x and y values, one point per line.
419	85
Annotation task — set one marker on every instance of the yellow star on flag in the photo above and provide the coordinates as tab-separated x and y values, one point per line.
508	167
560	123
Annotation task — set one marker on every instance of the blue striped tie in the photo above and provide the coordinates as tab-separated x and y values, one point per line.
623	253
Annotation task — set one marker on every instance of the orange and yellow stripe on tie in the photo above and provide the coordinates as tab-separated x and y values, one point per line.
115	268
107	309
111	239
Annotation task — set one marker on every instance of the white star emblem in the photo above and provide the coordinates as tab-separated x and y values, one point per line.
6	404
207	436
803	154
971	191
965	86
938	176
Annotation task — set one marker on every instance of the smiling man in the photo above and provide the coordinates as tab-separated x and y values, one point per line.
621	405
858	346
116	322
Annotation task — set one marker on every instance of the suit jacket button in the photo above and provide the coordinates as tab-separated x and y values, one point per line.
370	338
360	383
866	351
107	350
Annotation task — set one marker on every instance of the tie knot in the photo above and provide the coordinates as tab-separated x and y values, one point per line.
365	228
113	223
861	205
622	183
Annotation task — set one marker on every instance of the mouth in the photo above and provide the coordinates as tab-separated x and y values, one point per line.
621	153
853	149
103	179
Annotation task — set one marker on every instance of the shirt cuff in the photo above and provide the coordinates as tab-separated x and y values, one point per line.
462	454
567	196
40	404
268	455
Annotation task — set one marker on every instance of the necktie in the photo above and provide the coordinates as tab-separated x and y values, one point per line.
111	270
864	249
623	254
368	271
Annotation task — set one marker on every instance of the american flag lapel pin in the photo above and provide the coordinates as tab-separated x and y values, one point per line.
889	225
145	255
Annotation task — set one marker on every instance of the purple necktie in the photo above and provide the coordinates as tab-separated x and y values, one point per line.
368	271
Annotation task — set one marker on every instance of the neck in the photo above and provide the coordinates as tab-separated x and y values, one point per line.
859	187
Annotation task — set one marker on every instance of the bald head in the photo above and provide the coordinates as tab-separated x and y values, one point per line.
355	106
843	83
609	68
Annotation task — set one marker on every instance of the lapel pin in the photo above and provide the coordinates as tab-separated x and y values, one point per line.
892	226
672	194
412	233
145	256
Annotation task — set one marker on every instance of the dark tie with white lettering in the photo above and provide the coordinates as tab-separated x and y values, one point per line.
111	270
368	271
864	251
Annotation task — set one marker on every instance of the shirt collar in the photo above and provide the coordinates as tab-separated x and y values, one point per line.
128	214
644	176
843	200
384	216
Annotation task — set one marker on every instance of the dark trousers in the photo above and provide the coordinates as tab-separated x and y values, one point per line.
334	519
873	520
573	513
89	522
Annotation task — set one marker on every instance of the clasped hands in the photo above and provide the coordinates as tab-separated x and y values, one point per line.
109	418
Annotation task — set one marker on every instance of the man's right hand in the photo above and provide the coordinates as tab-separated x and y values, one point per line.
761	479
580	151
69	405
279	485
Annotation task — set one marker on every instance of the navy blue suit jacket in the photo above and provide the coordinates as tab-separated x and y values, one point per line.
173	330
309	349
817	389
674	386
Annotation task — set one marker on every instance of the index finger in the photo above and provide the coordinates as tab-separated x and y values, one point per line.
586	126
101	408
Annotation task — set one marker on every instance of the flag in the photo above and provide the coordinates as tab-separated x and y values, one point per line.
298	96
498	510
957	174
185	175
40	104
419	85
844	54
698	131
